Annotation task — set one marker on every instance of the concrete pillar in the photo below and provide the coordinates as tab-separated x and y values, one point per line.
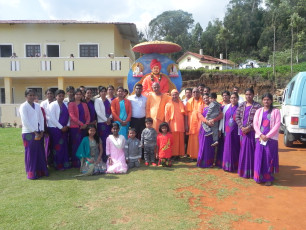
60	83
8	90
125	84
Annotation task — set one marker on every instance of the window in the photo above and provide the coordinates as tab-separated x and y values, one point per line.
188	59
2	96
38	92
53	89
94	90
290	89
32	50
53	50
88	50
5	50
206	67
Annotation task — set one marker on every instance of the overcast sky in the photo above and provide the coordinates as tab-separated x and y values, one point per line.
140	12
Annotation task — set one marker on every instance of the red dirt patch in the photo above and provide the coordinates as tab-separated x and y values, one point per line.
230	202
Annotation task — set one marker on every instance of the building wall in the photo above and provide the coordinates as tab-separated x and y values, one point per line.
67	36
195	63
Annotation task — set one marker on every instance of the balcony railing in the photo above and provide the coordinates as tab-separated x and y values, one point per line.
64	67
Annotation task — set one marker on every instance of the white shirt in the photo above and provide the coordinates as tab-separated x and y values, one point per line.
53	115
45	104
185	100
32	119
100	110
241	99
138	106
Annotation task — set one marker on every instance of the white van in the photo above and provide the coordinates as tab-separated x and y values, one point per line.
293	111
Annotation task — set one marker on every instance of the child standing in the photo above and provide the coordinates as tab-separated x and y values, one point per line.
148	142
213	112
90	153
114	149
132	149
164	145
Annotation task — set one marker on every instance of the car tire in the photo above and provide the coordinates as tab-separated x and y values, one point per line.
287	143
282	128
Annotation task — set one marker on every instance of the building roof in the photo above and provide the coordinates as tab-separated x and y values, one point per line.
126	29
206	59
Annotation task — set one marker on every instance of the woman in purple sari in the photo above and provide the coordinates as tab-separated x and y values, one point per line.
32	135
266	125
206	153
58	122
91	106
104	115
79	119
226	100
244	118
231	138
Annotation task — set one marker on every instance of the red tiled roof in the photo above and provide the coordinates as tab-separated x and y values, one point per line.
206	58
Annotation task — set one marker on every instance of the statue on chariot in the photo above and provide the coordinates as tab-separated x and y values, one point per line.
153	66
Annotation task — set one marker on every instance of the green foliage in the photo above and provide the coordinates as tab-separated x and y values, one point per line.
247	30
265	72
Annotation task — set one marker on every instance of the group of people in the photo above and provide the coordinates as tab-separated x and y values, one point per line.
110	133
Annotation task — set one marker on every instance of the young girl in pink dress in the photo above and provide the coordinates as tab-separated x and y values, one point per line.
115	151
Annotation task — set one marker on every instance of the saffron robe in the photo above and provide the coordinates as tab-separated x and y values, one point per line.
155	108
174	116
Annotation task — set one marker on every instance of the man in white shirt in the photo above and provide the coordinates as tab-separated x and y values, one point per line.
138	103
188	95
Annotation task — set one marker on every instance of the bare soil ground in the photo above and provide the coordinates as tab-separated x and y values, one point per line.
225	201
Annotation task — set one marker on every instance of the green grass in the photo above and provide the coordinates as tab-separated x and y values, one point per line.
142	199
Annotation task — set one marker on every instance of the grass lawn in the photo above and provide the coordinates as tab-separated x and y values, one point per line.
145	198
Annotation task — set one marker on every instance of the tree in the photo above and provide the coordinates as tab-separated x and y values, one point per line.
196	35
208	39
295	22
170	24
243	20
222	38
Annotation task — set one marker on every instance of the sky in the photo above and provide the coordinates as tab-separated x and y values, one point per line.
140	12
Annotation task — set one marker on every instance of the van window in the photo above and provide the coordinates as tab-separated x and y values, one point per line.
290	89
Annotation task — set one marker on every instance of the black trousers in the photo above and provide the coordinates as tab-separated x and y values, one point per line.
139	125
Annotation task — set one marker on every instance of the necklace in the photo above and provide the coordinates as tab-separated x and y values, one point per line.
159	78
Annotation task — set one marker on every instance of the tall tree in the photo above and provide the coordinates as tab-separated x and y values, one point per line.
243	20
208	39
170	23
196	35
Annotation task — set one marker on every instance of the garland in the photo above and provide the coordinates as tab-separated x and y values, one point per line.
159	78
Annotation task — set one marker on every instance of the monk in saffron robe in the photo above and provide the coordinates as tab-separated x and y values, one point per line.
155	76
175	117
194	123
155	107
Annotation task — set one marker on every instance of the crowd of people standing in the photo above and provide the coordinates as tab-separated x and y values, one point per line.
112	131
